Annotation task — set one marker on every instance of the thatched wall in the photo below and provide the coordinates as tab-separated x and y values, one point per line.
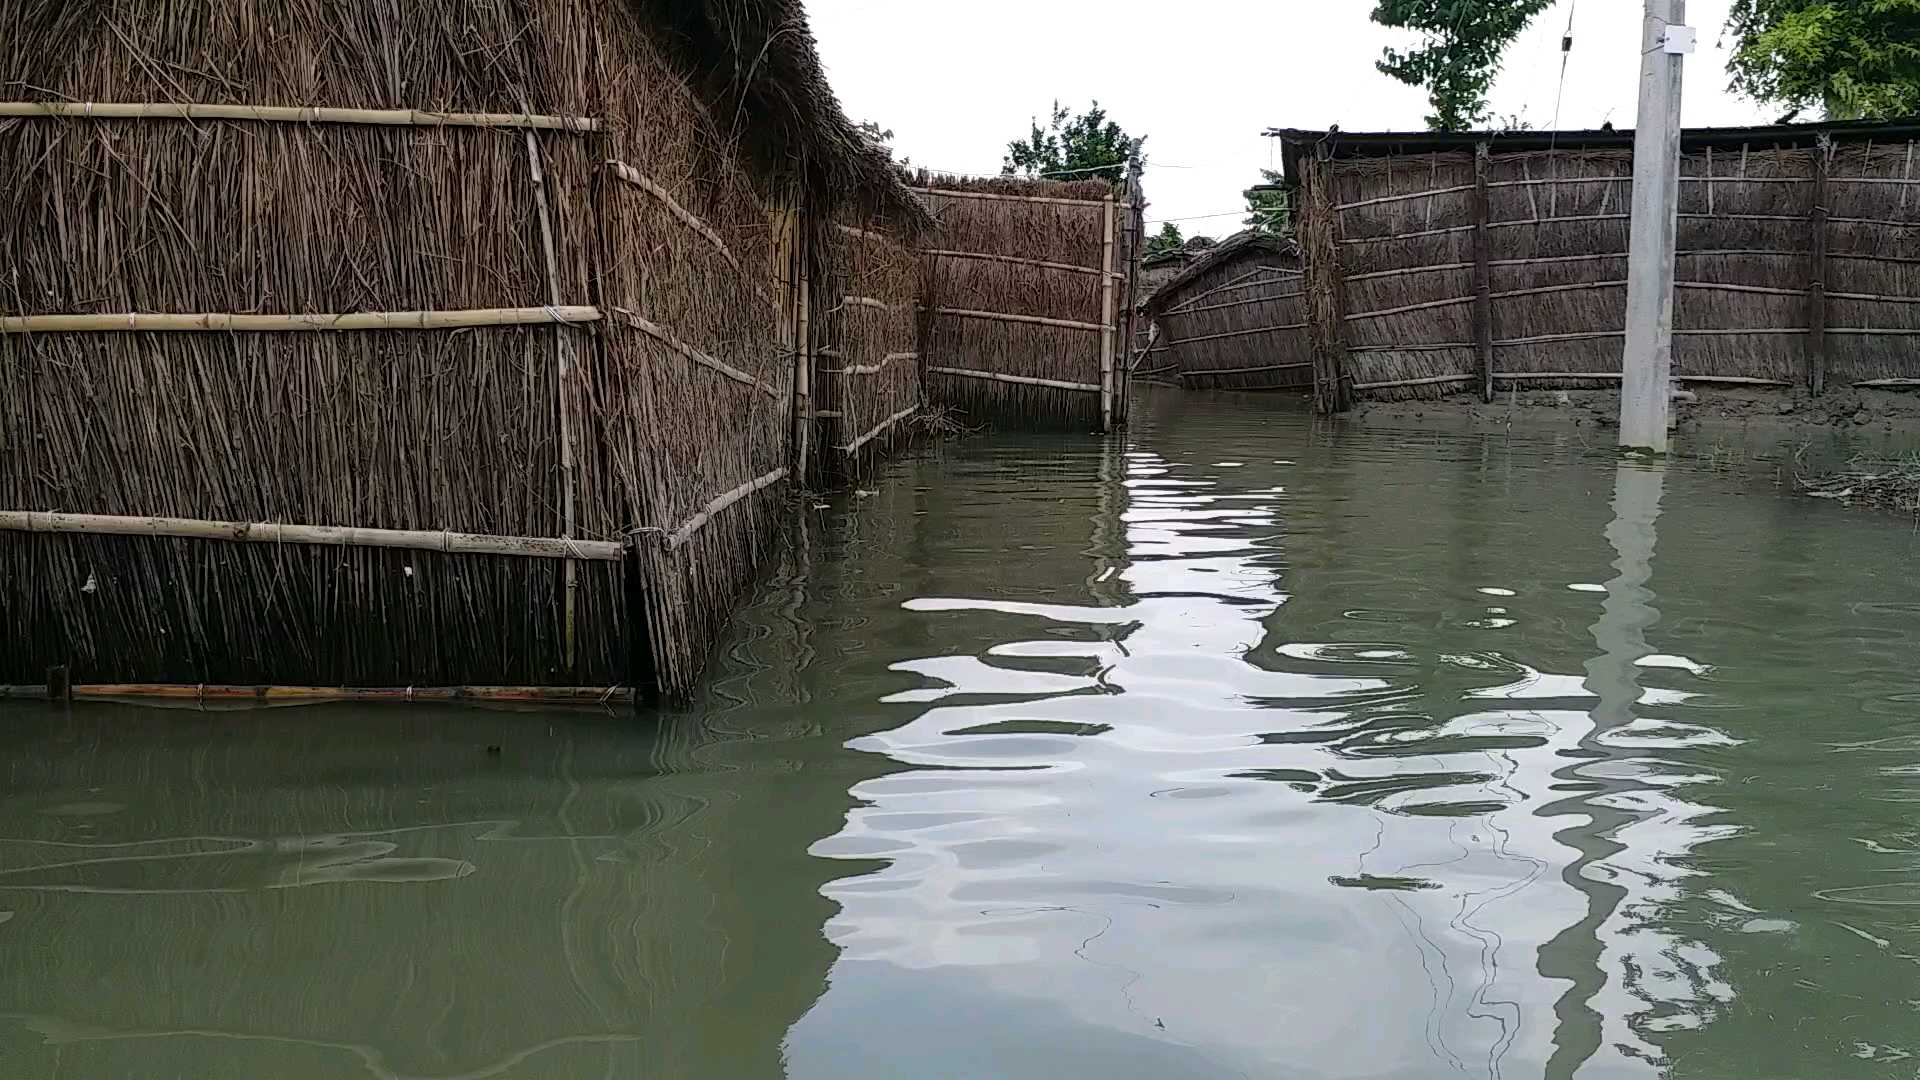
868	369
1235	319
644	421
1795	264
1034	251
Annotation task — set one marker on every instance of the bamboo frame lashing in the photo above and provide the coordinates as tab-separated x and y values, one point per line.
1106	321
268	532
563	364
222	322
292	114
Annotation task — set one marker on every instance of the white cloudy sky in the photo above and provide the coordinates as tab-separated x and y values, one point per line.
1203	78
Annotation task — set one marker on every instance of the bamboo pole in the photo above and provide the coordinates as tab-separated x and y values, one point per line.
1482	273
1245	332
267	532
145	321
1036	320
803	347
293	114
1889	383
1324	285
199	693
1249	280
1816	350
563	361
1251	370
700	520
1014	260
1231	304
873	369
662	335
867	234
1106	321
687	217
997	197
855	445
865	302
1020	380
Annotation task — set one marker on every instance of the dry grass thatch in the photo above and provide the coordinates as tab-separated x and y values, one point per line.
1016	235
1887	484
1753	222
1235	319
599	432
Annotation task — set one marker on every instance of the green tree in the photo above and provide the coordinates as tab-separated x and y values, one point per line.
1851	58
1459	51
1167	239
1269	205
1088	146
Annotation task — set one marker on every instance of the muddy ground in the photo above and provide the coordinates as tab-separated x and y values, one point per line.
1865	412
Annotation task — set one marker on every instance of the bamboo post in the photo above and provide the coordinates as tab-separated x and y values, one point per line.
59	685
1816	355
1136	228
563	365
1482	274
1106	320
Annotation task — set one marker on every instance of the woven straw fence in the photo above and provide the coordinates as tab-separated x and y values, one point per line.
1025	291
1796	267
868	369
201	317
1239	323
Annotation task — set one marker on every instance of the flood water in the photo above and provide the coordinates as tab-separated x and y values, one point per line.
1242	747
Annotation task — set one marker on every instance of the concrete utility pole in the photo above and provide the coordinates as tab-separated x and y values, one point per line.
1645	398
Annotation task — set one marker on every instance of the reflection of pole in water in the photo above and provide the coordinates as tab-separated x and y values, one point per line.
1109	549
1613	677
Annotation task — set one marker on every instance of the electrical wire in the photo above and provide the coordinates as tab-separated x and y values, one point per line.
1566	53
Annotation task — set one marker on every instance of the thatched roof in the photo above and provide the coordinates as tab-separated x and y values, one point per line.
1239	245
755	61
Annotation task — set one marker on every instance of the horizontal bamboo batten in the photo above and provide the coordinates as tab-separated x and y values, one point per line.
865	302
1034	320
693	355
1019	380
267	532
292	114
358	320
1582	376
1232	304
855	445
1731	181
198	693
1015	260
630	175
998	197
866	234
873	369
1253	370
1241	333
699	521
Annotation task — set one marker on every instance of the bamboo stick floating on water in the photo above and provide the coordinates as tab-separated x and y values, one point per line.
1021	380
292	114
267	532
143	321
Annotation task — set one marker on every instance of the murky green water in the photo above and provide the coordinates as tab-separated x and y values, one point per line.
1246	748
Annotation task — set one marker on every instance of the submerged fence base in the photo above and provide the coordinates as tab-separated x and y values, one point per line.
190	693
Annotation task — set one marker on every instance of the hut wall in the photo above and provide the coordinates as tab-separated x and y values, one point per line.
868	370
1240	325
1557	237
980	306
672	424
